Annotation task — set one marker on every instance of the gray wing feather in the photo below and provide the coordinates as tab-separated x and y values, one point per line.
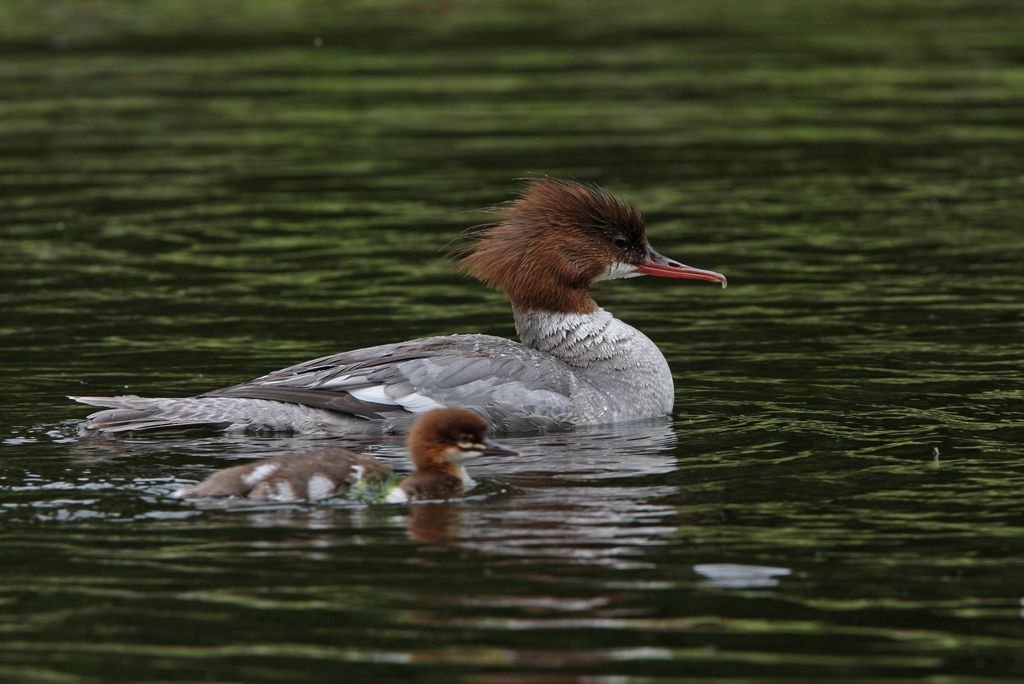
332	401
515	387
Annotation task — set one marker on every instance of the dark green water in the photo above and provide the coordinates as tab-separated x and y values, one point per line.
194	194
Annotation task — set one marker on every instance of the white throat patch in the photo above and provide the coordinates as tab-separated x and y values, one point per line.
461	457
467	481
618	270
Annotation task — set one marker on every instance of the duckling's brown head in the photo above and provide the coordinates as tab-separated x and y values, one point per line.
450	437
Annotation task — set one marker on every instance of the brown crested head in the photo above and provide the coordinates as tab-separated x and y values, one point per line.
559	238
553	242
448	437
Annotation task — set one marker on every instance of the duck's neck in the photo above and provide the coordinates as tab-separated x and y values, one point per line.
431	483
583	340
614	357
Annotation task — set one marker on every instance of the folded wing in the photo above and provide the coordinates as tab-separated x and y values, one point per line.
514	387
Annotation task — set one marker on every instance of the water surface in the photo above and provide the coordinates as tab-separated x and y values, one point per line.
192	198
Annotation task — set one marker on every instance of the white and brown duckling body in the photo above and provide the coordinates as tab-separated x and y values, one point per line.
440	443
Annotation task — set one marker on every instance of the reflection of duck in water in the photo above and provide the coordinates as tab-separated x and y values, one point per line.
440	443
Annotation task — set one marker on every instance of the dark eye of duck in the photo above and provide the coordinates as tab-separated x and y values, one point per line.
620	242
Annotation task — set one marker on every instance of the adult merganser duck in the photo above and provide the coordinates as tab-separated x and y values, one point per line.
440	443
576	364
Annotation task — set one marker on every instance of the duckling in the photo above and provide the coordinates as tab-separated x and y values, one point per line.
439	444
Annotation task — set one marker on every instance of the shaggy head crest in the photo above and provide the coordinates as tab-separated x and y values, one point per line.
552	242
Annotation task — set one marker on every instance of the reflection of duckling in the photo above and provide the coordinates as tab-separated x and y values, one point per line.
434	522
439	444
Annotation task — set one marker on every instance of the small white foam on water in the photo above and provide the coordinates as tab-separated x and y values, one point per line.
740	576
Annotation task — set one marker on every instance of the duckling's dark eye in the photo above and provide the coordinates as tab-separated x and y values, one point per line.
620	242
